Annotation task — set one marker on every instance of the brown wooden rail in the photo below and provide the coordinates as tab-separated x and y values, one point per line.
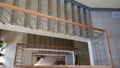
4	5
46	46
18	9
65	66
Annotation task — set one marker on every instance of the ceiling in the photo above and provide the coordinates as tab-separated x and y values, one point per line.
101	3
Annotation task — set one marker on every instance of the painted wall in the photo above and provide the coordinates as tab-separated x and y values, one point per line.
83	53
104	20
11	38
27	59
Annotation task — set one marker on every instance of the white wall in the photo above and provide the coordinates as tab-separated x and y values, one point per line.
11	38
104	20
27	59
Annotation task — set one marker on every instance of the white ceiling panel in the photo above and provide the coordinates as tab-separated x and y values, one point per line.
101	3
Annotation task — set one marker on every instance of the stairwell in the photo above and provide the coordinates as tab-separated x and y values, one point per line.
53	18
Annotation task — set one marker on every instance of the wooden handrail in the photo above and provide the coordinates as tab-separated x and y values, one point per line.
64	66
42	52
46	46
18	9
60	20
108	48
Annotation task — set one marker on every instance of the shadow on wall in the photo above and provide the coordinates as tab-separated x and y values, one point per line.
11	38
8	36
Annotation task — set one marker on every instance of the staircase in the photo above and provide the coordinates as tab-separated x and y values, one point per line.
53	18
57	8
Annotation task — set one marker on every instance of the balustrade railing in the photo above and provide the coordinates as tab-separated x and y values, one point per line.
99	49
